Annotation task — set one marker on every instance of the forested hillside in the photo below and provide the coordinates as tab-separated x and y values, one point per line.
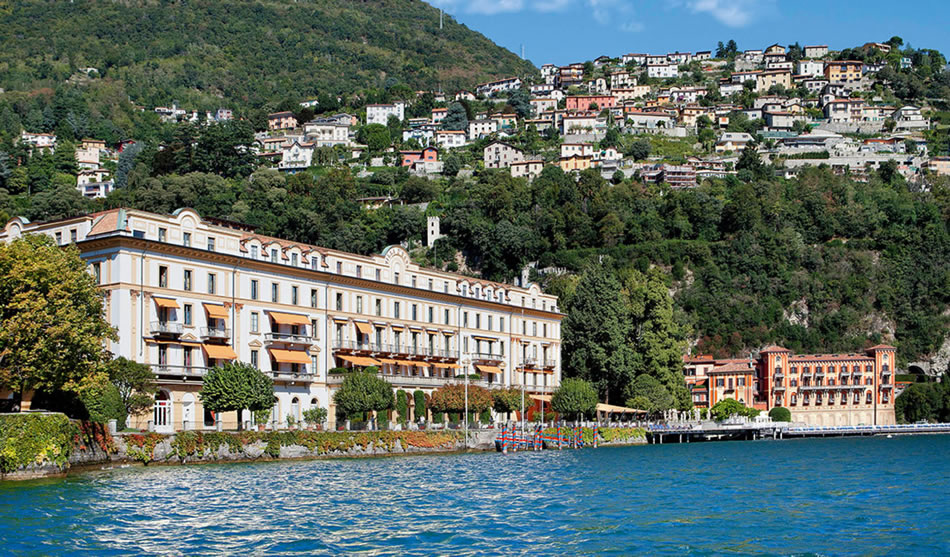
253	56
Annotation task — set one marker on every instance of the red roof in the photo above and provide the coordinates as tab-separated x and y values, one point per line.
774	348
882	347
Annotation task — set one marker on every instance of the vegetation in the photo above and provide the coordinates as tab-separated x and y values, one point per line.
362	392
451	398
315	416
924	402
726	408
574	399
102	399
235	387
35	439
52	330
419	405
135	385
506	401
780	414
402	406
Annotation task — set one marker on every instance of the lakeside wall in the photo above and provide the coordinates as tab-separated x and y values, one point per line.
41	445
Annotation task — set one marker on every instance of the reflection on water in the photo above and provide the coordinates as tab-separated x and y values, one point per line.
832	496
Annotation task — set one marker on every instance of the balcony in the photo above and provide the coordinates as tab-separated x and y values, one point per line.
549	364
486	357
778	388
215	333
779	376
270	338
394	349
287	375
182	371
165	328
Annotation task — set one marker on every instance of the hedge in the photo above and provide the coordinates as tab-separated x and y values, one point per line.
35	439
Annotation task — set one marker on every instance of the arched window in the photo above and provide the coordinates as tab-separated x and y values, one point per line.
295	408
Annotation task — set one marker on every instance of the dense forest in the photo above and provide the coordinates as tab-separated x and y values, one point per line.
253	56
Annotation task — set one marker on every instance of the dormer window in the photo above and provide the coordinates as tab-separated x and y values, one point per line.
293	259
253	252
314	262
273	255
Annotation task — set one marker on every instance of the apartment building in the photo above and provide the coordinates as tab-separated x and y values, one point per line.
843	71
187	293
380	113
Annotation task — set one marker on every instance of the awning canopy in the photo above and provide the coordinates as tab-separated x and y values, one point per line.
445	365
411	363
359	360
364	328
216	311
175	342
542	398
219	351
167	303
290	356
611	409
485	339
488	369
449	333
387	361
282	318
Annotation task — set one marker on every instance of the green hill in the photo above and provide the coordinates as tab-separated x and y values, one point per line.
241	54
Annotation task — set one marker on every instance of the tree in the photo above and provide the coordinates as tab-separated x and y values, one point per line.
506	401
520	101
455	118
639	149
127	162
376	137
451	165
52	331
780	414
648	394
595	333
918	402
362	392
574	399
402	406
750	161
728	407
419	405
451	398
135	384
101	399
237	386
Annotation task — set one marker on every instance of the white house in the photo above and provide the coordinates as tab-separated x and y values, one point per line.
296	156
380	113
733	141
813	68
662	71
478	129
450	139
327	133
492	87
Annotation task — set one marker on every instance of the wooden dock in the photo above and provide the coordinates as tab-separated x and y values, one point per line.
710	431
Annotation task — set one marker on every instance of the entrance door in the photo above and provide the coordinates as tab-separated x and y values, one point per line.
188	411
162	413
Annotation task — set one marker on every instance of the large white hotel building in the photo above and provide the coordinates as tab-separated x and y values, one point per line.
187	293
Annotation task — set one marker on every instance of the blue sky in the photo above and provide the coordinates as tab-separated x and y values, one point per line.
565	31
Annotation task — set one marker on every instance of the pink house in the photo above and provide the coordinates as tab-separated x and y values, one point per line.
583	102
429	154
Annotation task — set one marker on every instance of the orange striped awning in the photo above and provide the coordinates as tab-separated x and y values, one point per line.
290	356
364	328
441	365
387	361
167	303
282	318
488	369
219	351
216	311
359	360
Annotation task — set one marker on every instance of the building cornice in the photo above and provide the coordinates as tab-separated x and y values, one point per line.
233	261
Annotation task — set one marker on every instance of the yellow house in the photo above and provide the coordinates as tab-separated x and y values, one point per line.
766	80
575	162
846	71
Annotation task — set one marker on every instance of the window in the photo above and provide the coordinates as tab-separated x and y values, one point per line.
187	280
313	329
431	314
253	252
294	295
186	239
273	255
274	292
413	281
545	329
161	234
415	312
314	262
339	268
446	287
59	237
72	235
254	289
447	320
313	297
186	357
534	327
430	284
339	301
186	312
359	304
211	282
210	243
254	358
163	277
501	324
378	275
395	278
465	319
869	398
396	310
720	382
379	307
478	321
255	322
359	271
97	272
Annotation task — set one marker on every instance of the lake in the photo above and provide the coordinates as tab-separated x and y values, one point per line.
797	497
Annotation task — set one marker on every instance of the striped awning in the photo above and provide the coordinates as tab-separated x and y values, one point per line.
216	311
290	356
364	328
282	318
488	369
441	365
219	351
166	303
359	360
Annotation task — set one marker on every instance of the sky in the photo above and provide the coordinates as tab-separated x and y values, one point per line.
565	31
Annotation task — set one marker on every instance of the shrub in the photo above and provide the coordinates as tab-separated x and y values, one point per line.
725	408
451	398
315	416
361	392
419	399
237	386
485	417
102	399
780	414
402	406
574	399
438	418
35	439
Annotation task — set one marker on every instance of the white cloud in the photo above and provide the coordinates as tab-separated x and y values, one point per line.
605	12
550	5
482	7
734	13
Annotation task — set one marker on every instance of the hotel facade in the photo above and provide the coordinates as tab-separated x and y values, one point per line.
818	389
187	293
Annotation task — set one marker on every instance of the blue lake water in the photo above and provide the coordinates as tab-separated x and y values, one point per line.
825	496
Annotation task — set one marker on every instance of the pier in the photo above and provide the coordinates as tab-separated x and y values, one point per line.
713	431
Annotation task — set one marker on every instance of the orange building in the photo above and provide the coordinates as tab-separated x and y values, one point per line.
844	71
710	380
830	389
584	102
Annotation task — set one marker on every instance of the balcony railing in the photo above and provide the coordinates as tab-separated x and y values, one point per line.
394	349
287	337
779	376
166	328
487	356
418	381
290	375
163	369
215	332
550	363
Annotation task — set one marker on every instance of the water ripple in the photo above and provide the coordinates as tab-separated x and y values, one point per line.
814	497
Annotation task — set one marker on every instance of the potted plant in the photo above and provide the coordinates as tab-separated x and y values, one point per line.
291	421
261	417
315	417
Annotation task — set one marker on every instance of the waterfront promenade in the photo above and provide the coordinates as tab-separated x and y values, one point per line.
713	431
